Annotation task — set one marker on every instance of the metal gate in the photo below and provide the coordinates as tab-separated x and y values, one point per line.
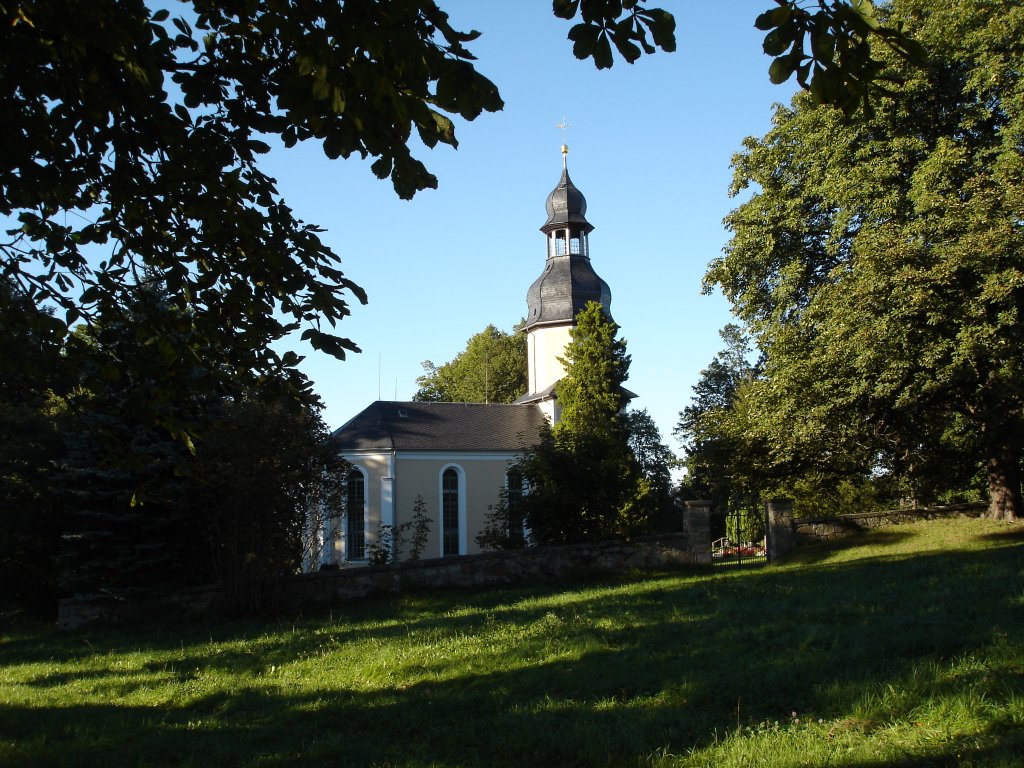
738	533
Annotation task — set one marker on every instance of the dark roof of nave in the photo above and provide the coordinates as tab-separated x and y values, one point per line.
413	426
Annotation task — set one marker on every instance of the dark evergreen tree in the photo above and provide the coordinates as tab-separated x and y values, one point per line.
124	481
233	504
714	450
263	479
655	461
584	481
33	376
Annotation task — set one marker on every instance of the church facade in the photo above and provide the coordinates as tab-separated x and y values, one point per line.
456	457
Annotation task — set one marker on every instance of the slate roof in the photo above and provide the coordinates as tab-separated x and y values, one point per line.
568	282
565	287
412	426
566	205
535	397
552	391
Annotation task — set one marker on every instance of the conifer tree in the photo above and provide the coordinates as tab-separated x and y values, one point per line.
591	396
584	481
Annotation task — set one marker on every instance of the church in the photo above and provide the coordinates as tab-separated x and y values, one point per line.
456	456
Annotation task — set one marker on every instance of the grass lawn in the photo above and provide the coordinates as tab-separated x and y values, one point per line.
902	647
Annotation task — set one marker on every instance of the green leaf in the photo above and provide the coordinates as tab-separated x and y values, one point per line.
335	346
445	127
338	101
629	51
781	69
775	43
382	167
821	86
823	45
866	10
663	28
306	64
565	9
773	18
603	52
584	37
334	146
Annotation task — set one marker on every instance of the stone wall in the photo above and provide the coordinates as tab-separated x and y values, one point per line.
644	553
491	569
812	530
155	605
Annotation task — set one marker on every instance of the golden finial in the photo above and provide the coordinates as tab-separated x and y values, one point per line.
563	126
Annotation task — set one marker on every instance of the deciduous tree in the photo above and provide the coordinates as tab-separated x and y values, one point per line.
491	369
879	263
132	139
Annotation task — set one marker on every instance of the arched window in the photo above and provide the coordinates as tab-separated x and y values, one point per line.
355	515
450	512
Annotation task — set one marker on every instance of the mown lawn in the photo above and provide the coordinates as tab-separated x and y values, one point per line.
902	647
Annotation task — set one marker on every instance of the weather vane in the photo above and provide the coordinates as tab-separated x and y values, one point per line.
564	126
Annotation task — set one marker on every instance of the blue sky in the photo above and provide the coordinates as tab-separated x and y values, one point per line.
650	148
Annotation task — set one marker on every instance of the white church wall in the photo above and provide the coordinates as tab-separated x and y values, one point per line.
378	472
544	346
481	475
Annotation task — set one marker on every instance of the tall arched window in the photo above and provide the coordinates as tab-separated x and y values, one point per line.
355	514
450	512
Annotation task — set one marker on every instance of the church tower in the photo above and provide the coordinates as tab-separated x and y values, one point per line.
567	284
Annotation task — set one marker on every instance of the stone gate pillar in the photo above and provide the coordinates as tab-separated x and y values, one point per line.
697	523
781	538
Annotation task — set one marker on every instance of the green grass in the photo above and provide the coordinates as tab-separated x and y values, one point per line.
903	647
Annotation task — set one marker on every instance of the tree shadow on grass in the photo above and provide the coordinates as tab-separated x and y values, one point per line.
615	706
811	554
1013	533
607	677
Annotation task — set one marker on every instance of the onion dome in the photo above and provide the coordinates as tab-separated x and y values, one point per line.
566	205
568	282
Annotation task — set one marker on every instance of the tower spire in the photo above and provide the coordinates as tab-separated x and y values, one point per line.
564	126
563	289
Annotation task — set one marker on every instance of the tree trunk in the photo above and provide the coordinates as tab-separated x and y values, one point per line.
1004	494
